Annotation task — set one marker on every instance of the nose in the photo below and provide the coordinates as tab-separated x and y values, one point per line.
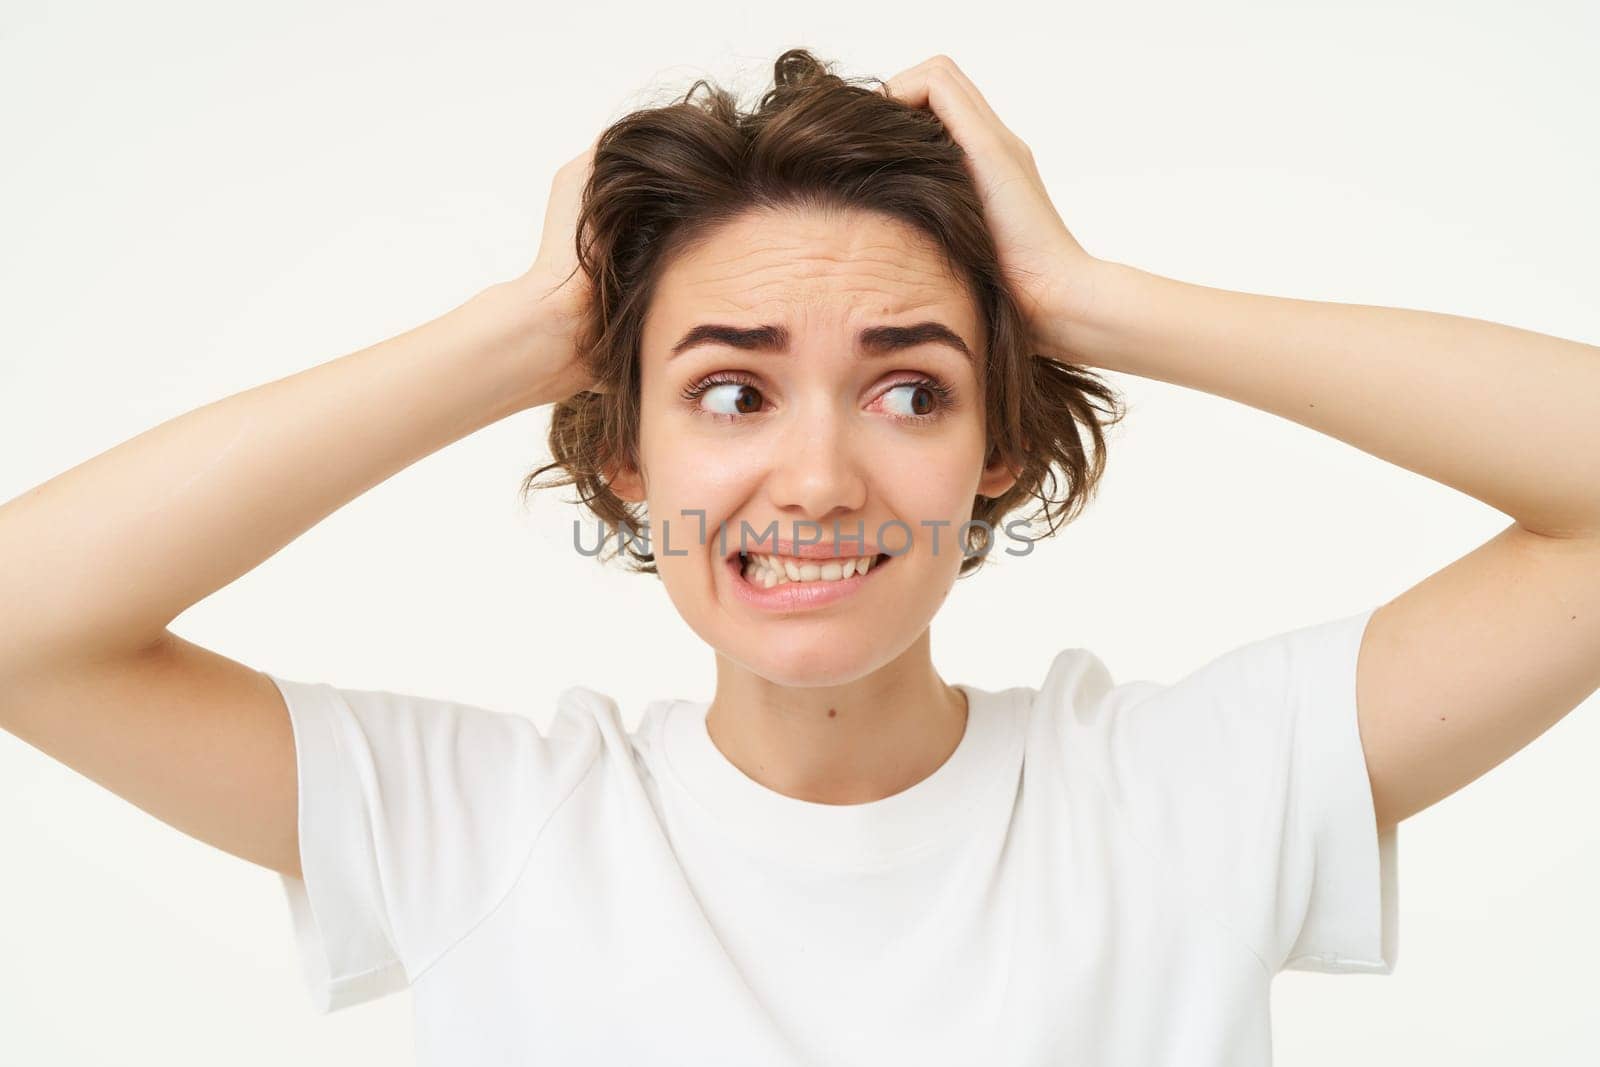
816	474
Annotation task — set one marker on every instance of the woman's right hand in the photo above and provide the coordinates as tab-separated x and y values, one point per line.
556	282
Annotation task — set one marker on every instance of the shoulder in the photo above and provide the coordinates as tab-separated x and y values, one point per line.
1269	671
1078	693
1243	782
414	750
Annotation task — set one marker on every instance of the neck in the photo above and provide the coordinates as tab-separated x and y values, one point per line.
851	743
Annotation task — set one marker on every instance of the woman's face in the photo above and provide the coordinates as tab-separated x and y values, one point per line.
796	429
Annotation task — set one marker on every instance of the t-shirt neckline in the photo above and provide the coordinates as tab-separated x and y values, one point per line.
879	833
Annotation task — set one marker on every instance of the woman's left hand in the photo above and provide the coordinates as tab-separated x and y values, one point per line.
1045	267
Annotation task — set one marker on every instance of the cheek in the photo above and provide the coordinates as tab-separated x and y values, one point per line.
941	479
702	471
696	488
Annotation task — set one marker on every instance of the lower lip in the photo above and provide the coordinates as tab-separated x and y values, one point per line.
798	596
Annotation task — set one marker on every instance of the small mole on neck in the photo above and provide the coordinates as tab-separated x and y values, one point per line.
832	713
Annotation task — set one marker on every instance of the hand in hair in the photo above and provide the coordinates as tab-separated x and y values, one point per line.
1048	271
556	280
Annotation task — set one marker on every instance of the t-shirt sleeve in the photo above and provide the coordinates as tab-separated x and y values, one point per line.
1249	778
416	816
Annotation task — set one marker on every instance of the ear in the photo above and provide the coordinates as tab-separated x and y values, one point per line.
998	477
625	482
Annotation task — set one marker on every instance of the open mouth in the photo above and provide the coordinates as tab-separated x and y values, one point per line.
764	584
761	573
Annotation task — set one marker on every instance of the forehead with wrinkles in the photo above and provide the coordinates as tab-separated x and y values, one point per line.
841	265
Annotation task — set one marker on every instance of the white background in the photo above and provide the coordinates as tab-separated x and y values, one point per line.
198	198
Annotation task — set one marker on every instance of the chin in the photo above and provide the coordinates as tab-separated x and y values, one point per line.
802	672
806	658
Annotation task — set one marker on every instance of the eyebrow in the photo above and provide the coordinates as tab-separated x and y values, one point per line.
872	341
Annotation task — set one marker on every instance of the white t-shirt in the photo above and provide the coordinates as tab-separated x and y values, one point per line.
1100	873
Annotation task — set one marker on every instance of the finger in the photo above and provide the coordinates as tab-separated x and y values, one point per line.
930	86
909	87
566	194
915	87
978	100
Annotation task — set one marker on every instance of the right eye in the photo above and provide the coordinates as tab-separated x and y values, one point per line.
734	396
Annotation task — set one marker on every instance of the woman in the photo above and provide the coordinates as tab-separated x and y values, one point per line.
852	318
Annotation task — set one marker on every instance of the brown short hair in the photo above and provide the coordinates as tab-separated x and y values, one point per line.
665	177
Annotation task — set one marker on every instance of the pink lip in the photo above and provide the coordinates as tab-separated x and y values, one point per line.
797	596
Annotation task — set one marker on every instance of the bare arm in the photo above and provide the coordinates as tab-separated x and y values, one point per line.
95	562
1470	664
1473	662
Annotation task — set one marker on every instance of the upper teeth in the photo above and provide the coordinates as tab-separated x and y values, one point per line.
768	571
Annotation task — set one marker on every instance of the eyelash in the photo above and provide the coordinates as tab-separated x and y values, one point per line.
944	396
